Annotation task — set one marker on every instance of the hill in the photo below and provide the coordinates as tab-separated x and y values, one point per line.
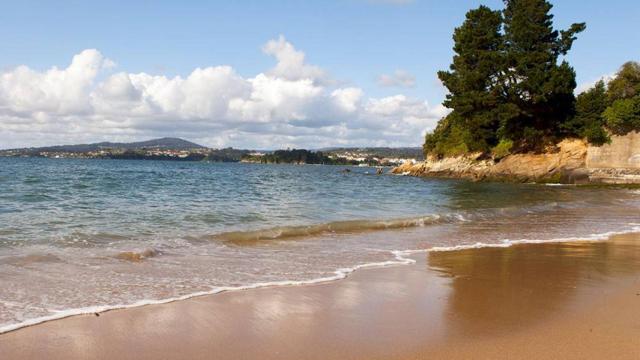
161	143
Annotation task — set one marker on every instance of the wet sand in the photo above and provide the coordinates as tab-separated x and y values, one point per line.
565	300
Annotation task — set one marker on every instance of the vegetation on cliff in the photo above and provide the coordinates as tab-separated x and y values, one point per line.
609	108
506	86
510	93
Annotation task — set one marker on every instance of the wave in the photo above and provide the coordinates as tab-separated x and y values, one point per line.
251	237
335	227
400	257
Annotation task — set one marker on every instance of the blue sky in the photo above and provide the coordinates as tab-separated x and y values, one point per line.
353	41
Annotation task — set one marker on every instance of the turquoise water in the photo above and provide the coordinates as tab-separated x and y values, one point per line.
84	235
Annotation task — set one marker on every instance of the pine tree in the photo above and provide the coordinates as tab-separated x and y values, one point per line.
473	79
506	86
589	122
534	82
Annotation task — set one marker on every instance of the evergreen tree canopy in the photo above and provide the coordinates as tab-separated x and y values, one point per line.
473	77
623	114
506	84
589	122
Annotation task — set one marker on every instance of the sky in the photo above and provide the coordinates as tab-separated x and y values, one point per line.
253	74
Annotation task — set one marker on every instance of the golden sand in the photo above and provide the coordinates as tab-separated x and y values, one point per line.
544	301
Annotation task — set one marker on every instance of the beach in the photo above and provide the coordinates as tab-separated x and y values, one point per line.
571	300
298	180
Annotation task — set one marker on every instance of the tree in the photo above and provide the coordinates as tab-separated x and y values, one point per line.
588	121
540	88
623	114
626	83
448	138
473	78
506	85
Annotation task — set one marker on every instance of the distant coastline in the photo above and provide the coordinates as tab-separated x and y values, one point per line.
175	149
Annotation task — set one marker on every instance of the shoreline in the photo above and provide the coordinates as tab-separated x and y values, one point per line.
400	257
50	330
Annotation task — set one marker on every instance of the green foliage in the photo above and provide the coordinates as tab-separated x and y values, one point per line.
595	134
588	121
623	116
623	93
614	108
447	139
226	155
626	84
542	89
298	156
502	149
509	92
473	81
505	81
609	109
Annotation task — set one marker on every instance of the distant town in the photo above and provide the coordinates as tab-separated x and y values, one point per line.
176	149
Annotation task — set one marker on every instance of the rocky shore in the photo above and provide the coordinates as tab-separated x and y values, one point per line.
572	161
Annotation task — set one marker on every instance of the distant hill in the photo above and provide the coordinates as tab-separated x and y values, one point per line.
162	143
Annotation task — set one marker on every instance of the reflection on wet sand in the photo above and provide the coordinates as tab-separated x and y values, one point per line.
503	289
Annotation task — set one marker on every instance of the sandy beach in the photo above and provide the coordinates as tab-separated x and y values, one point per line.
558	300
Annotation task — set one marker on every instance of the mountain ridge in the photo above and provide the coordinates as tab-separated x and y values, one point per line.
159	143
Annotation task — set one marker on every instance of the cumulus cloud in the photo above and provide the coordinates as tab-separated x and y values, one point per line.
291	63
292	104
55	91
399	78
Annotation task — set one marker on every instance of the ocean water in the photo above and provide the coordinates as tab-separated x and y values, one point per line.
79	236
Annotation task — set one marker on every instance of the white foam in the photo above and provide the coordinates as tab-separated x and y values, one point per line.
401	257
338	275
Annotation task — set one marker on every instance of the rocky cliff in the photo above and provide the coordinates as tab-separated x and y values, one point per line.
571	162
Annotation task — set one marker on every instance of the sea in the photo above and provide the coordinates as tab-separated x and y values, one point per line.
87	235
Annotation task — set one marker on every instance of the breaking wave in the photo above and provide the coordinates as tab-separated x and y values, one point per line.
251	237
335	227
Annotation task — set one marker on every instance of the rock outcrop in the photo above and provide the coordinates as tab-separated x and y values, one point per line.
566	163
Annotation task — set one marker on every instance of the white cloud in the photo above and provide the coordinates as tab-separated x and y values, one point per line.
291	64
347	99
291	104
399	78
55	91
